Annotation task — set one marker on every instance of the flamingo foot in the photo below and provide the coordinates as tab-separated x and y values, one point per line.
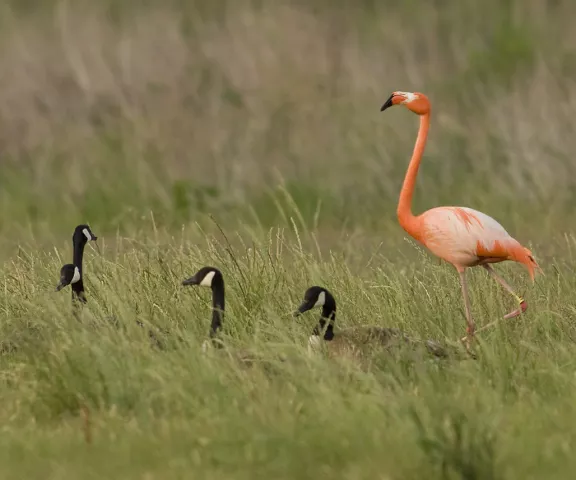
467	340
520	310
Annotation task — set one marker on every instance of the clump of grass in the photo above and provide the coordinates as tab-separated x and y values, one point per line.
304	416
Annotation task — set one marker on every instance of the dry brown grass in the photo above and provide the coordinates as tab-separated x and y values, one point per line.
292	89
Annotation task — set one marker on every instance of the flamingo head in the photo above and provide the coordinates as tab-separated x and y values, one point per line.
415	102
528	260
524	256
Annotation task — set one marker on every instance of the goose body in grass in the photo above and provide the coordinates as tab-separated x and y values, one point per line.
72	274
355	340
212	278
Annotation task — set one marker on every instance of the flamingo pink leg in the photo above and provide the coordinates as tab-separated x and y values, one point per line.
471	326
522	304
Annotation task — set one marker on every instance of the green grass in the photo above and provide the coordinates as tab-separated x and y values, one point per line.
174	411
246	135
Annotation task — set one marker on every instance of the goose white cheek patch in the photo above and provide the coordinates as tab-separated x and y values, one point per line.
207	280
87	234
76	276
321	300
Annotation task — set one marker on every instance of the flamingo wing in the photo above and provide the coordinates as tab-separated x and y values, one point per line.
465	237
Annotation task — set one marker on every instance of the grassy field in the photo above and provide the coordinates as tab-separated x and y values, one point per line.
247	135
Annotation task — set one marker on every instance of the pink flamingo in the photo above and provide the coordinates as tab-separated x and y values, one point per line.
461	236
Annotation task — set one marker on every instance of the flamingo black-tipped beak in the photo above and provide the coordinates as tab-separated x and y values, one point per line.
387	104
191	281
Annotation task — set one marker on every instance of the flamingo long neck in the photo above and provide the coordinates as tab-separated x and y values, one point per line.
407	220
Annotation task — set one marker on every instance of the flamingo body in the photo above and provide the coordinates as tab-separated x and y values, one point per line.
465	238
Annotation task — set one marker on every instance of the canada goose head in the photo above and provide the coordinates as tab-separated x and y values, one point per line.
319	297
211	277
69	274
83	234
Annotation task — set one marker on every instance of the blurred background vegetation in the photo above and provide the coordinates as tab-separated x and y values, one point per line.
110	110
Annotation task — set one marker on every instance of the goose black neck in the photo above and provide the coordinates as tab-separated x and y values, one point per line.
328	316
218	305
78	245
78	291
